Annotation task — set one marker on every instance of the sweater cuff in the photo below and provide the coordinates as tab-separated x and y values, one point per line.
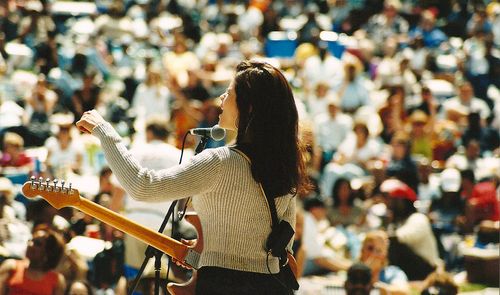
103	130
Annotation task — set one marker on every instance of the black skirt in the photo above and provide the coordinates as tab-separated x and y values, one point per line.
223	281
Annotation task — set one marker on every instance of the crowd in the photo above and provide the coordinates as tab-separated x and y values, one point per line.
399	107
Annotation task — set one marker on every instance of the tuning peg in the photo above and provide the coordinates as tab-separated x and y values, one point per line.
47	182
69	189
40	180
33	179
62	184
55	184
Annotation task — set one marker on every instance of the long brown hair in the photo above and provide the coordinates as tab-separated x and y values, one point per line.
268	128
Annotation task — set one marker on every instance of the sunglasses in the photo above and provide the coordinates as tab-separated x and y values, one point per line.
372	248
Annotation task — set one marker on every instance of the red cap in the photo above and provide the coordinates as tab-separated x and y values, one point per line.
398	189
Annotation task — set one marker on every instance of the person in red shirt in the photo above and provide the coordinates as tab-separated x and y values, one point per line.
35	274
483	204
13	154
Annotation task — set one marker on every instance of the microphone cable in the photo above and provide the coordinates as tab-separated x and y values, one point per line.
174	203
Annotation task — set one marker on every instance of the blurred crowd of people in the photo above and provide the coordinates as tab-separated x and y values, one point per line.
399	106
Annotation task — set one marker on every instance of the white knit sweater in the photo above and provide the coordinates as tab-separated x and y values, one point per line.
233	210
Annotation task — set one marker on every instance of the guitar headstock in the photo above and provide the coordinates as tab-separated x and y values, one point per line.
56	194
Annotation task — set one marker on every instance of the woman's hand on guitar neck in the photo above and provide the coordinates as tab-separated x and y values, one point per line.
189	243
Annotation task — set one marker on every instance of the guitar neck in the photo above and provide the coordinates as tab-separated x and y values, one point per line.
167	245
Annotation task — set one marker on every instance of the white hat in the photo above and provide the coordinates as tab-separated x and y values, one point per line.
451	180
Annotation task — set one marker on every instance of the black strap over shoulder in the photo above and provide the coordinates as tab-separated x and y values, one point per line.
272	208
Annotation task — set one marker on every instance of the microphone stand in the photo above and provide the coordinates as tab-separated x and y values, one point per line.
151	251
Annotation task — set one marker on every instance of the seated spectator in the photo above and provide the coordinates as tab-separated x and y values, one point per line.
14	232
358	280
392	113
64	150
427	104
413	246
431	34
391	279
317	260
466	158
359	148
428	187
353	157
331	129
13	153
194	88
322	66
447	212
387	23
40	101
444	144
421	133
353	92
483	204
458	108
447	216
35	274
6	196
88	97
488	138
151	96
401	165
318	100
344	211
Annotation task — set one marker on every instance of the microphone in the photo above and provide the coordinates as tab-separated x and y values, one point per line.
216	133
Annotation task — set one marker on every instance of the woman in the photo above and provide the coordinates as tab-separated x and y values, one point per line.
35	274
228	198
344	211
374	254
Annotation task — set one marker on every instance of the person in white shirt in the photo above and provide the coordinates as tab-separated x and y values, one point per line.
332	128
317	260
317	102
323	67
353	92
64	149
352	157
413	246
151	97
457	108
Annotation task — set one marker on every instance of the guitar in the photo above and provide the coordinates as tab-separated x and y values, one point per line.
59	197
